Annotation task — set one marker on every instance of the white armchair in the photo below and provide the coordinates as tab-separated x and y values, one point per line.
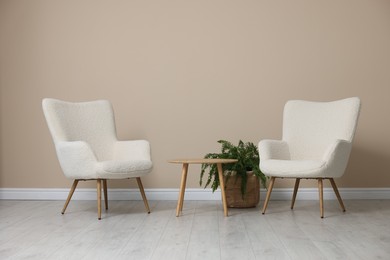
316	143
87	148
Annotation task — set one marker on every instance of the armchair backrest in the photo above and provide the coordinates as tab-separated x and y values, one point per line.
310	127
92	122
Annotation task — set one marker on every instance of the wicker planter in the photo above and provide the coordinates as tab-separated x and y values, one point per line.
234	197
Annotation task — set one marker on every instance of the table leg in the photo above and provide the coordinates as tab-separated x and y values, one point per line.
222	184
179	207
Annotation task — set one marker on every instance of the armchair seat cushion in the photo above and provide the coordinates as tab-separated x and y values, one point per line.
293	168
123	169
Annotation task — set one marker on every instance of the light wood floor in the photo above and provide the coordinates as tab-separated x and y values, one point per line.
37	230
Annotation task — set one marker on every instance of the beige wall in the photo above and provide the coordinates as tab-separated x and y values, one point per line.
184	74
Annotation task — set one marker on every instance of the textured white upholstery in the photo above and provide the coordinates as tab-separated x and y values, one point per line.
85	139
317	140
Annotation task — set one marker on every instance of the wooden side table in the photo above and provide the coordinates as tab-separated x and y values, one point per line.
185	163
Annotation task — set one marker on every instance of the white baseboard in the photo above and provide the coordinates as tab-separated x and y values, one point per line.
191	194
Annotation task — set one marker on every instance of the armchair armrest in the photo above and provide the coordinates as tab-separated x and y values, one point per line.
132	150
337	148
336	156
274	149
76	158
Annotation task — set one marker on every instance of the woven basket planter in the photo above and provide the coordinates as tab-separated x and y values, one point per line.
234	197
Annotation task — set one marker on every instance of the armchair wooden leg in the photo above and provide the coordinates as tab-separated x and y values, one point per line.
74	185
105	193
321	193
141	189
99	198
270	186
295	192
336	191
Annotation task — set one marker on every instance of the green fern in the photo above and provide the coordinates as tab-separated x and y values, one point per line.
248	158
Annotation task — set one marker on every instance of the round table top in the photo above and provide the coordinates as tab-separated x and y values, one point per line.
200	161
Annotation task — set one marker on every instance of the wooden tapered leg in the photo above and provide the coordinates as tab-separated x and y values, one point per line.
270	186
336	191
295	192
222	184
74	185
179	207
141	189
321	192
99	198
184	187
105	193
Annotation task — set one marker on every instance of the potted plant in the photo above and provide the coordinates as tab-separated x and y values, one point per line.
241	179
